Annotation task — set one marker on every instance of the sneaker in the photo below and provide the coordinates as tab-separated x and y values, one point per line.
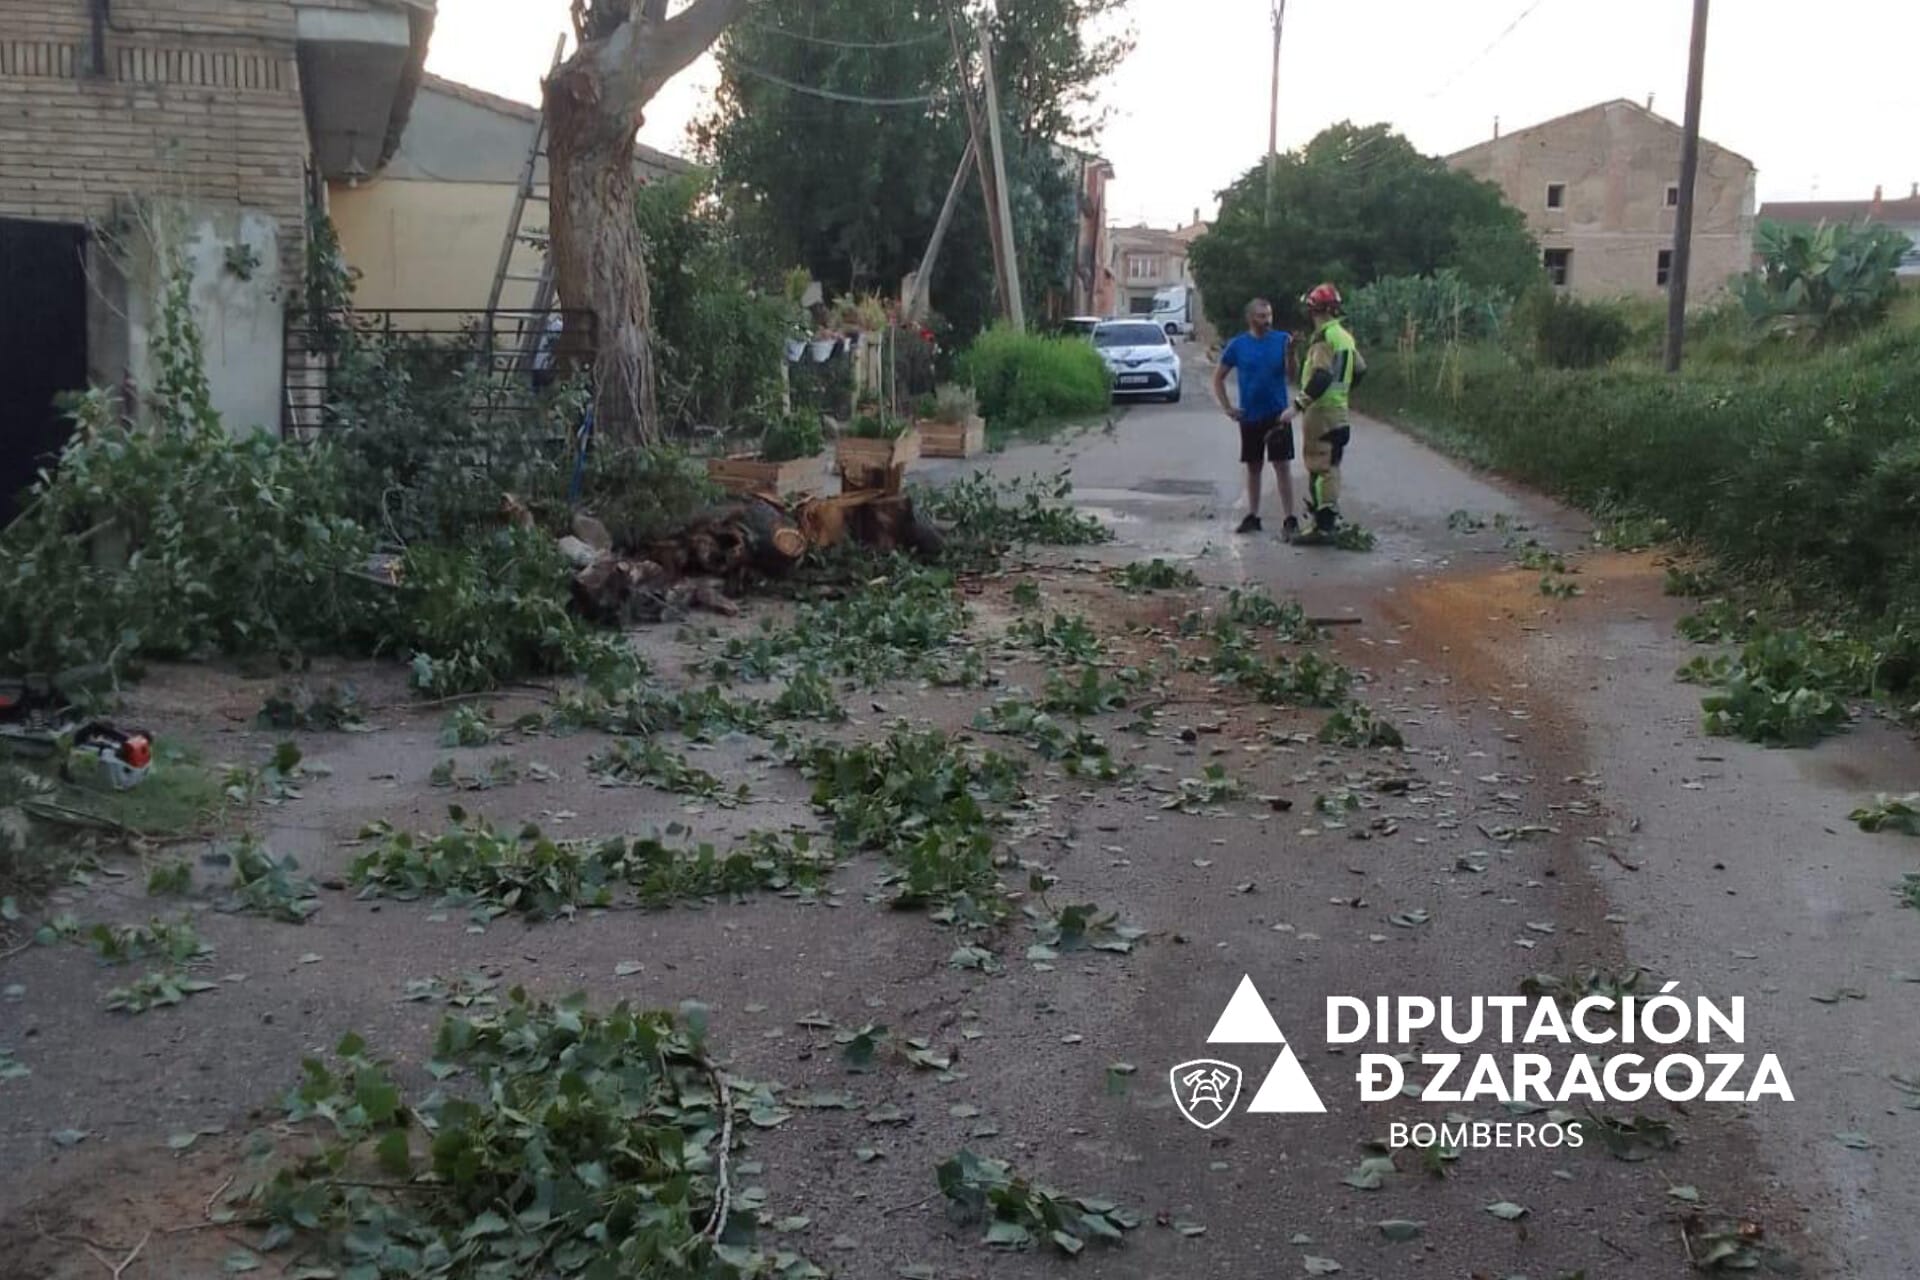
1290	529
1249	525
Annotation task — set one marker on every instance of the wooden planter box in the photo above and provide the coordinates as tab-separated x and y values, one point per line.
952	439
875	464
748	473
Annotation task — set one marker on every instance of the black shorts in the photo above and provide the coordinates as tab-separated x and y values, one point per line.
1266	438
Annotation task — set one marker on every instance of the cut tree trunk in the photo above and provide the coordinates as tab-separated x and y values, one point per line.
594	106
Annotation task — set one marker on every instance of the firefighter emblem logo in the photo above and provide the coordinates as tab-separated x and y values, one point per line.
1205	1090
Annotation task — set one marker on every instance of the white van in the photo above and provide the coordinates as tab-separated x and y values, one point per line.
1173	311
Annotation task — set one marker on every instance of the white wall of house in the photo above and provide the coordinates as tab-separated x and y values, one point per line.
239	296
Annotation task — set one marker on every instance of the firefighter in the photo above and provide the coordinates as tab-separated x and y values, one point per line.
1330	371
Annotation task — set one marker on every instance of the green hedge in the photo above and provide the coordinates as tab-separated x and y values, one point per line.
1807	468
1025	381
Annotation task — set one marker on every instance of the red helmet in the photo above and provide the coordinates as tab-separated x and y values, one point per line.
1323	297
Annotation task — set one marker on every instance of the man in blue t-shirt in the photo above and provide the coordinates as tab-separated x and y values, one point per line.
1259	358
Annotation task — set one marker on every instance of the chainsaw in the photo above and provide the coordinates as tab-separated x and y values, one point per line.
35	721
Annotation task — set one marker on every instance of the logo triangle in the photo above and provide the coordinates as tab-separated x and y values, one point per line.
1246	1020
1286	1090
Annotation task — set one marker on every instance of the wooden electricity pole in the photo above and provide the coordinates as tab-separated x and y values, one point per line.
1273	109
977	144
1012	301
1689	171
923	278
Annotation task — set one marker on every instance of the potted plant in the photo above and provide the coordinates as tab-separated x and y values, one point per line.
800	326
873	450
949	423
791	457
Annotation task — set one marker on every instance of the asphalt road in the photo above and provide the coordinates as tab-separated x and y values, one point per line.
1727	868
1556	807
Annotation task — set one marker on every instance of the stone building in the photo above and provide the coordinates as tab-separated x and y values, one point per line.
205	126
1600	189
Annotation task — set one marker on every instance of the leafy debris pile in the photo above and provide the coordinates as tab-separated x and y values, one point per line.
592	1144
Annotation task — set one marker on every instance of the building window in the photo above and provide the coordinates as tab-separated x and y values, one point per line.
1559	267
1673	195
1556	195
1142	267
1663	268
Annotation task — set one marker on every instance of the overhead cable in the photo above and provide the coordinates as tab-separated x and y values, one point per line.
828	43
831	95
1481	56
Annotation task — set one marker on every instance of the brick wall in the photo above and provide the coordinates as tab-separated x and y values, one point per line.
200	100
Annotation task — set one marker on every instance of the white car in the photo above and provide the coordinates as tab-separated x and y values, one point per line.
1141	358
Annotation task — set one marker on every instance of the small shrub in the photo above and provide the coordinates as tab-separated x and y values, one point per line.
949	404
1026	382
791	436
873	426
1571	334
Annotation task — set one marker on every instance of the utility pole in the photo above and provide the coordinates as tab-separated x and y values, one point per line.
923	278
1012	301
1689	171
1273	109
977	143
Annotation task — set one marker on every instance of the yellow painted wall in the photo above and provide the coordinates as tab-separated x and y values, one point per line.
420	245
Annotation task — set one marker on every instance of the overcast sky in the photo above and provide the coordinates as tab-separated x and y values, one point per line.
1821	97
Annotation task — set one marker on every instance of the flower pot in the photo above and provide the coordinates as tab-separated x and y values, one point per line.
821	349
952	439
796	347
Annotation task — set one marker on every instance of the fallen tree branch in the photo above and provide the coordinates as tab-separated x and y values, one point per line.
723	1187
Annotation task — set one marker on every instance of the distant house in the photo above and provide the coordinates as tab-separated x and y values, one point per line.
213	122
1903	215
1600	189
1144	261
426	232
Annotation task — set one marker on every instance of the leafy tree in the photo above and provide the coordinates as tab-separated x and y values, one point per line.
1354	206
716	337
627	51
851	189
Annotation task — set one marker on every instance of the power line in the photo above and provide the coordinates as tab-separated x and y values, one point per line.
824	42
831	95
1480	57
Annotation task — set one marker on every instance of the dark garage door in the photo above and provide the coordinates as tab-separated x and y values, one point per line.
43	345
